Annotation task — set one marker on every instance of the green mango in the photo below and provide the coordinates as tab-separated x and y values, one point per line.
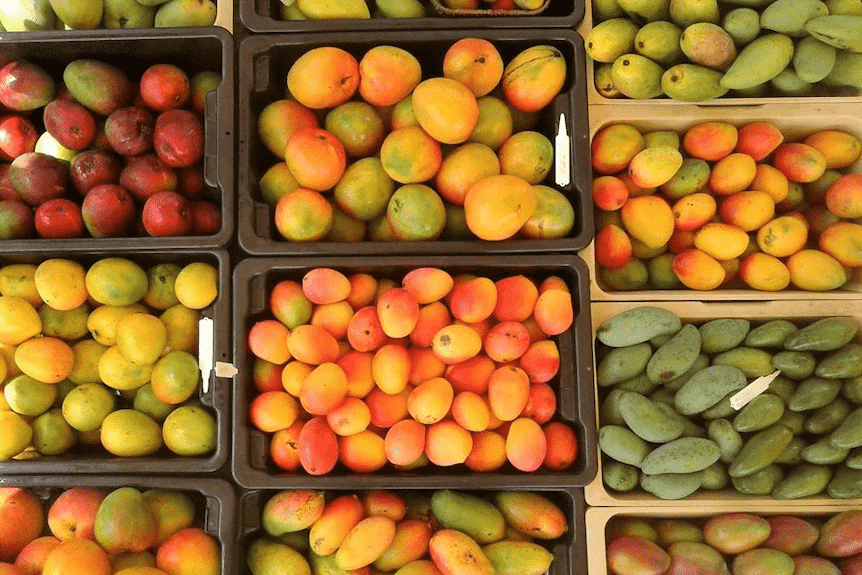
334	9
685	455
622	445
827	334
79	14
643	11
619	476
790	16
751	361
708	387
401	8
292	13
844	363
760	482
128	14
761	450
771	334
715	477
689	428
728	439
185	13
637	77
659	41
759	413
753	3
759	62
847	71
813	59
693	175
814	393
639	384
661	274
792	454
743	25
721	409
605	10
605	83
645	419
632	276
672	485
824	453
846	7
26	15
828	418
518	557
848	435
688	12
847	484
803	481
98	86
854	459
720	335
702	362
794	364
842	31
623	363
609	412
675	357
266	556
788	83
611	39
472	515
637	325
852	390
51	434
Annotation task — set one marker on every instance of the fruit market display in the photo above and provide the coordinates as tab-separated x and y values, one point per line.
374	147
360	9
104	356
444	532
89	152
697	50
89	531
739	543
424	369
669	425
29	15
721	207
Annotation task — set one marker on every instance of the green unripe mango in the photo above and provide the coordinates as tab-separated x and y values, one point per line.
814	393
848	435
659	41
743	25
846	7
720	335
79	14
401	8
647	421
761	450
623	363
771	334
643	11
751	361
847	71
715	477
707	387
788	83
692	83
759	413
632	276
605	83
121	14
637	325
472	515
676	356
842	31
728	439
794	364
606	9
760	61
687	12
98	86
803	481
827	334
813	59
828	418
619	476
637	77
790	16
700	363
672	485
186	13
622	445
824	453
847	484
844	363
792	454
26	15
760	482
518	557
685	455
610	39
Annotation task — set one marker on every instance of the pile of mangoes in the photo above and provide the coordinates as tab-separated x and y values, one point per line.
668	423
102	356
28	15
444	532
363	9
442	371
696	50
724	206
749	544
379	147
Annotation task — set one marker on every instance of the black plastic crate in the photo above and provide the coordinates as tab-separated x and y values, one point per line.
214	499
570	552
97	460
263	65
253	280
264	16
133	51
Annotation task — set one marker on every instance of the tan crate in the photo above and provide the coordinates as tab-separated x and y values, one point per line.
697	312
598	519
794	122
594	98
224	15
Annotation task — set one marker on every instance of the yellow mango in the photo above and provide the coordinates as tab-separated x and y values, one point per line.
813	270
648	219
721	241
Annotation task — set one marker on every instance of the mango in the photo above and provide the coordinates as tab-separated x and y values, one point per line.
614	146
813	59
791	535
689	428
409	544
721	335
659	41
759	413
839	536
643	11
803	481
472	515
691	177
670	531
124	522
637	325
619	476
751	361
852	390
19	321
330	9
788	83
128	14
675	357
631	555
848	434
339	516
844	363
686	455
636	76
728	439
531	514
760	482
688	12
185	13
518	558
759	62
455	553
265	557
761	450
735	533
826	334
847	484
654	167
790	16
743	25
81	15
708	45
708	387
623	363
365	543
607	9
672	485
824	453
807	565
26	15
631	276
423	567
610	39
842	31
694	558
827	418
763	561
648	219
101	87
292	510
845	71
622	526
646	420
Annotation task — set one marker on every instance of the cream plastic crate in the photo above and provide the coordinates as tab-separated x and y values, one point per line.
224	15
597	494
598	519
594	98
795	123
